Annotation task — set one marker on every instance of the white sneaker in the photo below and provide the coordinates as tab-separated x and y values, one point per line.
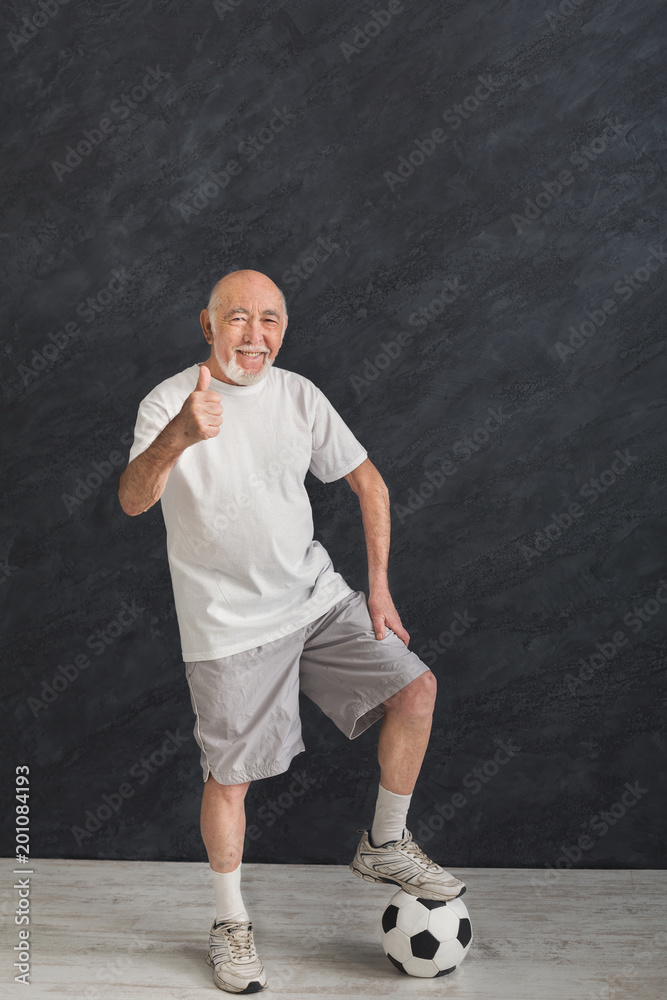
403	863
236	965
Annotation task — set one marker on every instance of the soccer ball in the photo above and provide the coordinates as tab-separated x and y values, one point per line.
425	937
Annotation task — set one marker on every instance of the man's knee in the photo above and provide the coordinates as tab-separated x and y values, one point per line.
232	793
417	697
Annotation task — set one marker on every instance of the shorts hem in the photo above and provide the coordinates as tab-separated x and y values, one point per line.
238	777
366	716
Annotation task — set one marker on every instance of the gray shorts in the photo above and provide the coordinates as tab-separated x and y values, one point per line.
247	705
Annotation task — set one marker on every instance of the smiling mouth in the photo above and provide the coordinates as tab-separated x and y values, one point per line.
252	354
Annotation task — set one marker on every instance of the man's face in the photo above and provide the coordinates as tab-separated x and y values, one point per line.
245	327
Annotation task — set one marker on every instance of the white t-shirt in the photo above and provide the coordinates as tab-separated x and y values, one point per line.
245	568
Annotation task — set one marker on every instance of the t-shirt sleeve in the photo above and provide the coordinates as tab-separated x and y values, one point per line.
335	450
152	417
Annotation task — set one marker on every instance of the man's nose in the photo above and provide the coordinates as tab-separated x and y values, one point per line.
254	331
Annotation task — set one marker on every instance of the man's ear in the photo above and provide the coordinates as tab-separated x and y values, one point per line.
205	321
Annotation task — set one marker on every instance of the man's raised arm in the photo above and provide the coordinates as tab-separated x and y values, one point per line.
145	477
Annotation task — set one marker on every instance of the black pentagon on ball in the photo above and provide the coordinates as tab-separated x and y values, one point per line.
431	904
445	972
465	932
424	944
389	918
394	961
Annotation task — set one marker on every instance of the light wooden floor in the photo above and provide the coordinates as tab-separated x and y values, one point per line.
129	930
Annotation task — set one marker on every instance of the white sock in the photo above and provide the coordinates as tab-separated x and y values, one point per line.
228	901
391	810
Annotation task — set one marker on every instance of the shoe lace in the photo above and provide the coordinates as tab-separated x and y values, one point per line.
414	850
240	940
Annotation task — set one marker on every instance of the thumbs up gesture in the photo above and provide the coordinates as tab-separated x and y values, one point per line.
201	414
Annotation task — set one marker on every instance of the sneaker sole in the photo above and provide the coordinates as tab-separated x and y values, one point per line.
254	986
406	887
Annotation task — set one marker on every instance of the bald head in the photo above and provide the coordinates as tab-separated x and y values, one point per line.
237	280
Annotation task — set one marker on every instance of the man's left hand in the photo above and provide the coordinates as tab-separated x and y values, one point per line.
383	613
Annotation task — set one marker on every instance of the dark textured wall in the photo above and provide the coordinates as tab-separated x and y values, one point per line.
464	205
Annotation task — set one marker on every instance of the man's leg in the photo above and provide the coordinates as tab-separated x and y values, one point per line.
242	728
236	965
404	733
404	736
345	670
223	832
223	823
384	855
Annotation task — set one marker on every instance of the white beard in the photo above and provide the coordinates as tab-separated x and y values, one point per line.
239	375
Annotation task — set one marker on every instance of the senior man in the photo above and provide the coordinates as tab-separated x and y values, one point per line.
225	446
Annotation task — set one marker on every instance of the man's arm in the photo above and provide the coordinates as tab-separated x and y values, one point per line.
144	479
373	495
